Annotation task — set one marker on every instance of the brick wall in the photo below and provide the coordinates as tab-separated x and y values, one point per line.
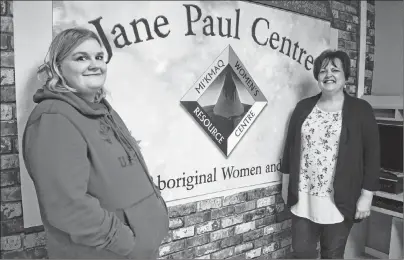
15	241
248	224
370	47
346	20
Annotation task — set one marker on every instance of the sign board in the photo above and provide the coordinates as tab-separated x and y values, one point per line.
206	87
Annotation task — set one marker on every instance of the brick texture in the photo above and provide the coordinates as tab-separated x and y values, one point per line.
260	226
370	47
347	23
246	225
12	225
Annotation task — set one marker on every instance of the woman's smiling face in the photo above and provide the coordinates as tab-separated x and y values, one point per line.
331	77
84	69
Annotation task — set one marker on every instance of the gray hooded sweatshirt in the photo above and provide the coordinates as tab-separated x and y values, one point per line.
96	197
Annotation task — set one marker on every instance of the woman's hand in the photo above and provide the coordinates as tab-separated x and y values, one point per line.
364	204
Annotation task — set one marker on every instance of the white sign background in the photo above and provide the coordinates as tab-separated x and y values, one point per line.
147	80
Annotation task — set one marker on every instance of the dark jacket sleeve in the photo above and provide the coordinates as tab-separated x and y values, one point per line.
371	149
287	149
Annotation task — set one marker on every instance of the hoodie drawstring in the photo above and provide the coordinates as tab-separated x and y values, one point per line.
124	140
120	136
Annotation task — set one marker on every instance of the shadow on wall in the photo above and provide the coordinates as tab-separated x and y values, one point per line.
25	91
25	100
306	88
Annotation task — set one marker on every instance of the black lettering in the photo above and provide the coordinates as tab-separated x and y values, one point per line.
254	25
136	32
294	50
189	21
103	38
171	181
122	34
157	25
228	34
272	39
237	23
283	45
207	26
245	172
302	51
190	185
227	173
159	181
309	59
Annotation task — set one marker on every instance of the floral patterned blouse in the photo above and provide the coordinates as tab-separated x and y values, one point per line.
319	149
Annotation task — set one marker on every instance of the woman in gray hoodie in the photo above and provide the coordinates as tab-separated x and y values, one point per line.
96	197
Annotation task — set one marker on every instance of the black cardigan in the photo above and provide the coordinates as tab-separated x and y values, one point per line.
358	163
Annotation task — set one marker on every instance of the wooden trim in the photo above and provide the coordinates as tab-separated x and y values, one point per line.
397	197
34	229
387	212
376	253
362	49
295	7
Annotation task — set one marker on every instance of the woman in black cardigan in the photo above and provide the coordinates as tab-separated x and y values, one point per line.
331	162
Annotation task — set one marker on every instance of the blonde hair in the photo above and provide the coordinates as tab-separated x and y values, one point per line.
62	45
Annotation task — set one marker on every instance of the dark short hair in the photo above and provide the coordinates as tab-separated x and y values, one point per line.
331	55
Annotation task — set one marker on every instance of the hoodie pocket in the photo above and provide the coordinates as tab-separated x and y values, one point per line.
148	219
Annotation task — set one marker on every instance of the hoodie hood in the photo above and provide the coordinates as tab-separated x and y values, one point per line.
103	111
83	106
